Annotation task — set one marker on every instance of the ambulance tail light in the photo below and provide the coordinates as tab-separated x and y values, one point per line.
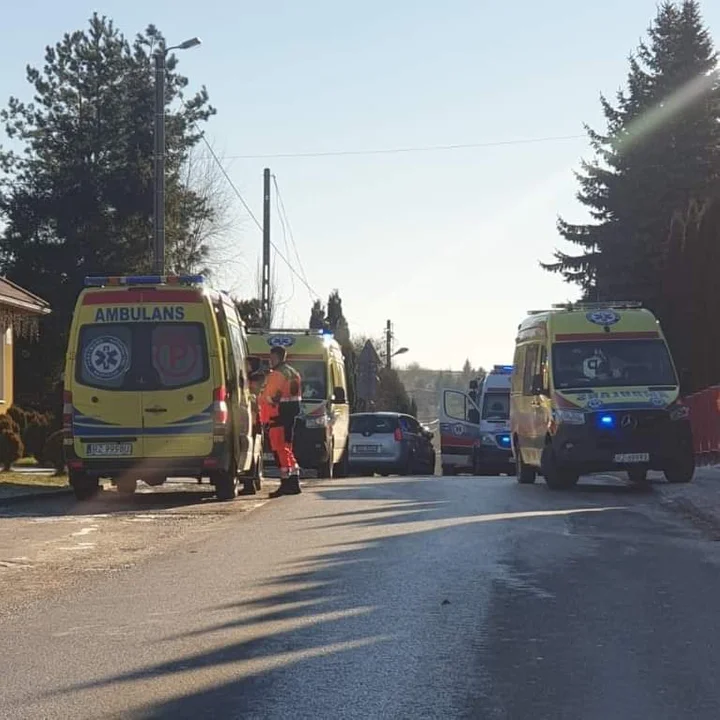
67	414
398	435
220	408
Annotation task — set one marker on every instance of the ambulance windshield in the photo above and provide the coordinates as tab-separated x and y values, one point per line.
612	363
496	406
142	356
313	375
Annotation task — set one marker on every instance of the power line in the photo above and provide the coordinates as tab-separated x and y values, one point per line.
415	149
281	206
252	215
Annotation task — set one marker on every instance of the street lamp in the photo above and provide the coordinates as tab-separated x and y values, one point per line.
401	351
160	56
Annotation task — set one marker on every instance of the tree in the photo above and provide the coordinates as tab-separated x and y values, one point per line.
338	325
660	151
78	199
250	311
392	395
317	316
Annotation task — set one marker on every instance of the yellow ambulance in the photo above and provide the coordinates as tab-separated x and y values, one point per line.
321	432
594	389
156	386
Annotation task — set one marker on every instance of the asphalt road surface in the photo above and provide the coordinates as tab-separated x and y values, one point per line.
364	598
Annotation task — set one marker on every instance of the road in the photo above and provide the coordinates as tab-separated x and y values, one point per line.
364	598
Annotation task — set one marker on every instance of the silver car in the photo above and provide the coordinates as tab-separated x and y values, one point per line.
390	443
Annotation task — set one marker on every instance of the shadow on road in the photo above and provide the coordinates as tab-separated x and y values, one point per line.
326	613
109	501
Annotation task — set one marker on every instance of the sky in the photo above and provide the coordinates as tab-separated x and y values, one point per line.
445	243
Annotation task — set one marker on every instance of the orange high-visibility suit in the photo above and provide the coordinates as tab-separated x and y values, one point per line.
279	406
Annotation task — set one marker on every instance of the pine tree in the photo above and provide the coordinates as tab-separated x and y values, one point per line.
661	149
317	316
79	199
250	311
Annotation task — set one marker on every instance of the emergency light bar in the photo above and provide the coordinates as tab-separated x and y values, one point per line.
114	280
502	369
610	305
288	331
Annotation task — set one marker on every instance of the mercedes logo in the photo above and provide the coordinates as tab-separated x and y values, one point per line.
628	422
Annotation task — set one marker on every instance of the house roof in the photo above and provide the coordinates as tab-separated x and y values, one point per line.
17	298
369	354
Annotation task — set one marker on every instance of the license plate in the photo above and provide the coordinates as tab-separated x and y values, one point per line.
627	458
109	449
366	448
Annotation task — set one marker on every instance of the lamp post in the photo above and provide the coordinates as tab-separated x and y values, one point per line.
160	57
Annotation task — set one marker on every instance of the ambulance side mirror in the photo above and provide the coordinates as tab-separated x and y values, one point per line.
339	396
473	416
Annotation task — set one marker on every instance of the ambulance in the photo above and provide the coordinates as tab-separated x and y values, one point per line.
594	389
475	426
321	432
156	386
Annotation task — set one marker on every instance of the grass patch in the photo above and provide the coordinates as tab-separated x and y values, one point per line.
37	479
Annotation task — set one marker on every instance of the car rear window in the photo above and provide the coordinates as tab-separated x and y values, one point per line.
373	424
142	356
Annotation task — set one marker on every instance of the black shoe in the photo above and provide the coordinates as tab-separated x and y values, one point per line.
293	486
249	488
282	490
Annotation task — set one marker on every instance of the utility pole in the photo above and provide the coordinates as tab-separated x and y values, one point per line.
160	57
388	345
159	196
265	300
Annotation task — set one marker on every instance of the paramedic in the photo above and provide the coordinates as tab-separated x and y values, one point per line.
280	400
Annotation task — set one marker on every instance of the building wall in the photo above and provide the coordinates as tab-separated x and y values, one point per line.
6	372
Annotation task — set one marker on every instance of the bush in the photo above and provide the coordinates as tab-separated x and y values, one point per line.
54	452
11	447
8	422
36	435
20	416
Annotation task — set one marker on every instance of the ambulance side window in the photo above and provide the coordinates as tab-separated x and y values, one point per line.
531	364
543	369
518	369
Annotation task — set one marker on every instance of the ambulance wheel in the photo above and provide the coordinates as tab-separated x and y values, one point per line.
681	471
556	477
225	482
525	474
342	469
126	486
84	487
325	470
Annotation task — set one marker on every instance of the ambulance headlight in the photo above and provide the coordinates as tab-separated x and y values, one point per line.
316	421
488	440
570	417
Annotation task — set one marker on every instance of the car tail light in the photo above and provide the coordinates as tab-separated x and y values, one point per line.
398	435
67	414
220	407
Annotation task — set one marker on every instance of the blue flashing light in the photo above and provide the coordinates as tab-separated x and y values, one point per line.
503	369
114	280
503	440
606	421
